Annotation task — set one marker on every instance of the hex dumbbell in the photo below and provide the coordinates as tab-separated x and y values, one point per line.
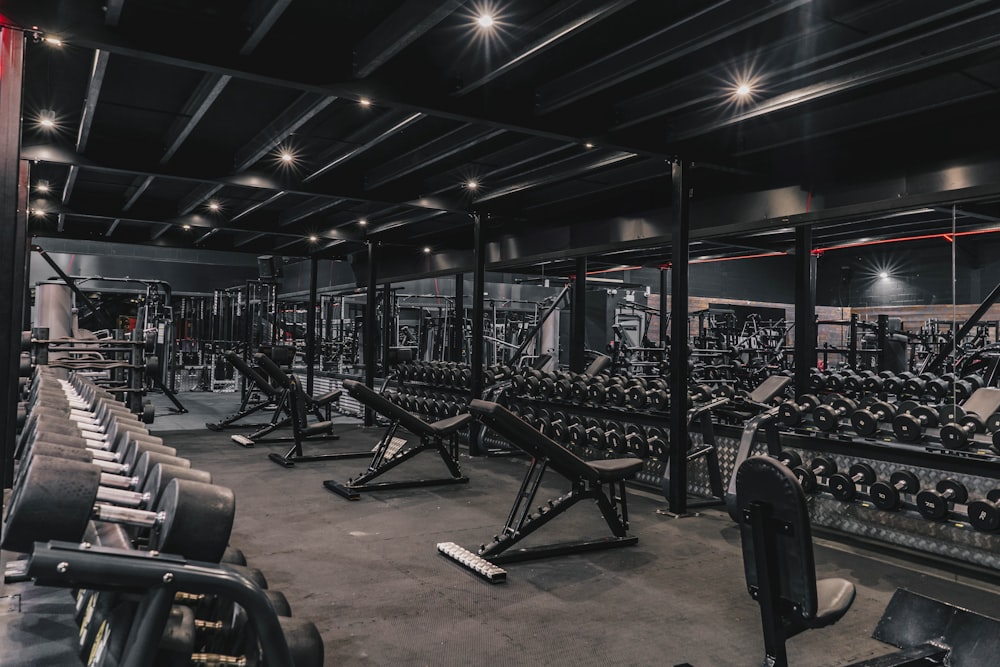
886	495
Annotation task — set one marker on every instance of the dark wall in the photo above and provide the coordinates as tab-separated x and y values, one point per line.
756	279
918	274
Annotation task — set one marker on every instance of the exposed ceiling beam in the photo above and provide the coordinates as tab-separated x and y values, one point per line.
339	155
90	101
261	15
54	154
259	205
138	187
403	27
166	227
711	24
249	239
197	196
306	209
113	227
197	105
297	114
967	38
571	167
582	15
441	147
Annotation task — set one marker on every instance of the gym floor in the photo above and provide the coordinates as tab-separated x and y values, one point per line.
368	573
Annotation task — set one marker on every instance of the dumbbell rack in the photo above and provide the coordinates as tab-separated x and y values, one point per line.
158	578
952	539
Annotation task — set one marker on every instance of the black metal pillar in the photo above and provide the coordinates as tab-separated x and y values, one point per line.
311	325
458	319
664	286
478	311
369	330
852	345
13	243
679	253
387	319
805	309
882	342
577	333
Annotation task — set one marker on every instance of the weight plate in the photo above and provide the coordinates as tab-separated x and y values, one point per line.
909	480
955	489
984	516
950	413
932	505
884	496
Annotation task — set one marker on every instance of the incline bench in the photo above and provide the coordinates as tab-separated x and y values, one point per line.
392	451
255	382
602	481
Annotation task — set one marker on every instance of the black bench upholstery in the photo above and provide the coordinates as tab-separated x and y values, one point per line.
602	481
778	557
389	454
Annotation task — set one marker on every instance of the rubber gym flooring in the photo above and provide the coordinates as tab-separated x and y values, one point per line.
368	573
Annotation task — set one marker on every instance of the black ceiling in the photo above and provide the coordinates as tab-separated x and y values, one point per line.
567	114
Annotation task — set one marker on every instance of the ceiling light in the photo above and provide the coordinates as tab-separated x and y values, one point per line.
427	250
38	213
743	90
54	41
362	222
186	227
472	185
313	238
485	21
42	187
46	120
588	145
365	102
287	157
213	206
883	275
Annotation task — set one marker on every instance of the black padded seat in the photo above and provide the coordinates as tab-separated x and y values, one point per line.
778	557
612	470
251	373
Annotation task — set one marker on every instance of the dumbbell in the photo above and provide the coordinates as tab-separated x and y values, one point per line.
933	504
885	495
657	444
845	487
636	441
866	420
984	514
614	437
788	458
556	426
700	393
827	416
875	384
653	395
618	393
917	386
911	419
791	412
597	392
807	476
578	387
592	431
57	498
958	433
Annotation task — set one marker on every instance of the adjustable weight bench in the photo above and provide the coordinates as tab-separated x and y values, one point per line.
255	382
283	411
392	451
602	481
778	557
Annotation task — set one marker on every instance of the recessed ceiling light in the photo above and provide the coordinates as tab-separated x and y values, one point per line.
588	145
743	90
213	206
47	120
485	21
883	275
427	250
42	187
362	222
53	41
313	238
186	227
38	213
365	102
287	157
472	185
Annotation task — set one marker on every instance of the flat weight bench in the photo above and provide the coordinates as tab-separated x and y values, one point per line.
255	382
391	451
778	557
602	481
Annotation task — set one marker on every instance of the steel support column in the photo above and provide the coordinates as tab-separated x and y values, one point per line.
311	325
458	319
478	311
13	240
578	329
664	286
387	308
369	330
677	491
805	309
